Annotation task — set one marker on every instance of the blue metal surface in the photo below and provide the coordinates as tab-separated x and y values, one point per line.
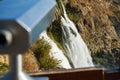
38	18
25	20
12	9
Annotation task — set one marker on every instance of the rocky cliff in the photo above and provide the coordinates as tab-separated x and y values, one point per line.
96	21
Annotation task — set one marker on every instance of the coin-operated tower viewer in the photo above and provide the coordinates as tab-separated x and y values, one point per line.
21	22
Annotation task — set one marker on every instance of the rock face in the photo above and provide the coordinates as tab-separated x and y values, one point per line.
93	19
98	22
116	19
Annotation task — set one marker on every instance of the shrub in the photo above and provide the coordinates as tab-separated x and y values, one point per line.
3	67
41	51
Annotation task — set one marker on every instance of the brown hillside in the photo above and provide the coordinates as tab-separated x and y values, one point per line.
94	21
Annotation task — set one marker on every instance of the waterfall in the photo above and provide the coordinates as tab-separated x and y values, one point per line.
75	47
77	54
56	52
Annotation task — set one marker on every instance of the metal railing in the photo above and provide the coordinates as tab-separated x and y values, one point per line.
78	74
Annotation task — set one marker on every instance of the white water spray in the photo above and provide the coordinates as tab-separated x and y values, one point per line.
74	45
75	48
56	52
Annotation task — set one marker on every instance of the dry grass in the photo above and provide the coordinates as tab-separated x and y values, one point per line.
94	24
30	62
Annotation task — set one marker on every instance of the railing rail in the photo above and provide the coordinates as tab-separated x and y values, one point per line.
72	74
79	74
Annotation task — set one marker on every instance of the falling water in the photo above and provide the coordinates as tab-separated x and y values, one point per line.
76	50
56	52
74	45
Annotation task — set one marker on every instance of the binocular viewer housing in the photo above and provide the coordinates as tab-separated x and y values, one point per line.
21	22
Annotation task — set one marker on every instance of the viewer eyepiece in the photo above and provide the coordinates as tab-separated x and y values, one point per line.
5	38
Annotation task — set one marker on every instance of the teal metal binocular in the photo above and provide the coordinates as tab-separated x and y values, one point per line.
21	22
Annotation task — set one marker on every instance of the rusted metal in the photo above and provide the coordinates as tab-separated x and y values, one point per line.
77	74
72	74
112	75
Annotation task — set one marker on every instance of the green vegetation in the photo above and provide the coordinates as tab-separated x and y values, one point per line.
55	33
60	7
41	51
102	59
3	68
74	13
107	60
